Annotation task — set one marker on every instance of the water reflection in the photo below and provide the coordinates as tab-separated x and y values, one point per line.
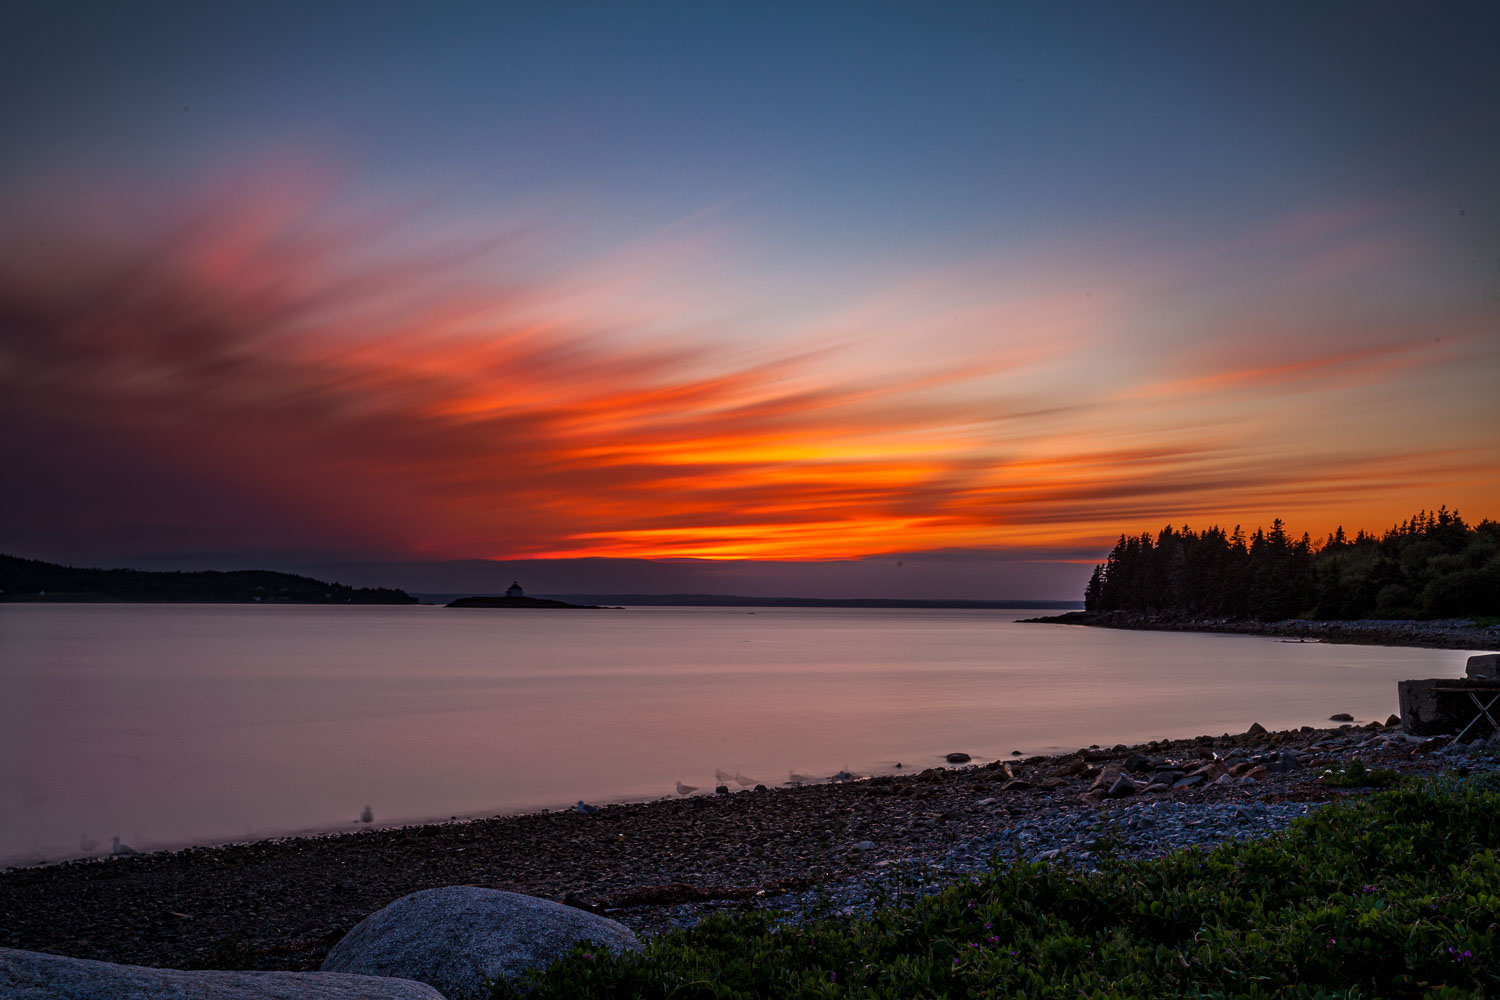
166	725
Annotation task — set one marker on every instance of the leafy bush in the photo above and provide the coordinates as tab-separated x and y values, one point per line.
1394	895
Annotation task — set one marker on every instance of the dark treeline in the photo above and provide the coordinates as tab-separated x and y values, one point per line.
32	580
1431	566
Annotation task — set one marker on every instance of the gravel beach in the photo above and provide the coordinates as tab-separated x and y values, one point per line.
836	846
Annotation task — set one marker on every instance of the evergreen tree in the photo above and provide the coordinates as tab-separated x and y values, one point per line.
1430	565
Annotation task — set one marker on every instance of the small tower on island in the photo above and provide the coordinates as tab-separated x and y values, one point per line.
514	590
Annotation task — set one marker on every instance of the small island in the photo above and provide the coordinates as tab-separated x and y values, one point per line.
515	597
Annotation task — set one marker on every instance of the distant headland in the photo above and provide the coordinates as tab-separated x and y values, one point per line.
1431	566
31	580
1432	580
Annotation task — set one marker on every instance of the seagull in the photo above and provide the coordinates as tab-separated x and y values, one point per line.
367	816
799	779
686	789
723	775
744	782
124	848
86	845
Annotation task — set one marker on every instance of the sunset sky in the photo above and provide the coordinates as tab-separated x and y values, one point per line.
903	300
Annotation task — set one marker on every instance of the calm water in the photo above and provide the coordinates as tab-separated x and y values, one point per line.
169	725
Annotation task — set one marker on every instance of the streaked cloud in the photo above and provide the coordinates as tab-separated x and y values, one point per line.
289	369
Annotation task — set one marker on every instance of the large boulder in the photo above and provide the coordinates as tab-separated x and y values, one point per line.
460	937
1484	667
32	975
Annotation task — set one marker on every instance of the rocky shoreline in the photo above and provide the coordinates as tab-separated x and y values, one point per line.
839	846
1447	633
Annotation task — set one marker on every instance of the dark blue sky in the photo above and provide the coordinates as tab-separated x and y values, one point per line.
885	122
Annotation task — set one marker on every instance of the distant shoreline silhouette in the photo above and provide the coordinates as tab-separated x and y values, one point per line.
31	580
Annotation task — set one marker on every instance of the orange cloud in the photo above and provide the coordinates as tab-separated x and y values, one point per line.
312	378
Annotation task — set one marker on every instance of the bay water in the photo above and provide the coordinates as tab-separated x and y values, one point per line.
169	725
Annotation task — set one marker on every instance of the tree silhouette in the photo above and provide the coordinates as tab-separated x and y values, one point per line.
1431	565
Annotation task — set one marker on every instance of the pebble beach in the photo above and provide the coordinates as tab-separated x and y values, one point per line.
836	846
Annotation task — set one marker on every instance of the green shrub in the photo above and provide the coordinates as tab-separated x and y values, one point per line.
1394	895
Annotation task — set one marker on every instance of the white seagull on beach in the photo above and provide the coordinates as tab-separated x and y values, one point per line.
799	779
744	782
86	845
686	789
724	776
123	848
367	816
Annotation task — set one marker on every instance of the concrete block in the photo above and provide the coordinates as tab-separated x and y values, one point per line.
1443	705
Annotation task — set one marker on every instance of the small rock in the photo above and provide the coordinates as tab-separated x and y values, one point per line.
585	808
1392	720
721	790
958	758
1135	762
1122	787
864	845
578	901
1190	781
1256	729
1015	785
